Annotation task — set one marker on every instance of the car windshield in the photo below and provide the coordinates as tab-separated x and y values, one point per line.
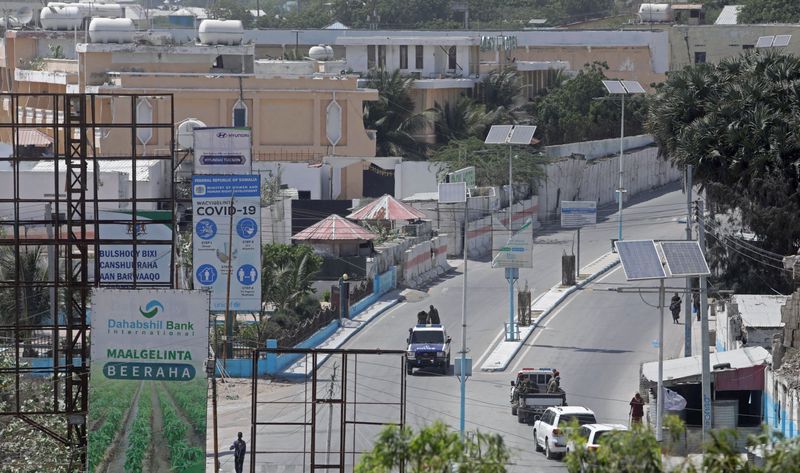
427	337
582	419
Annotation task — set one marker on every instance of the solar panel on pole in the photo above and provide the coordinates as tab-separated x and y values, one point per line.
633	87
498	134
614	87
684	258
640	260
765	41
781	40
522	135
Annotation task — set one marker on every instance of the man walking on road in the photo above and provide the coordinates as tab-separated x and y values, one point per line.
637	409
675	308
239	448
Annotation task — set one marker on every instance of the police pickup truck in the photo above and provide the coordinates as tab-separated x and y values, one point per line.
428	346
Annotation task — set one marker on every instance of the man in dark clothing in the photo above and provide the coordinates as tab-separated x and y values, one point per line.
696	304
433	316
675	308
422	317
637	409
239	448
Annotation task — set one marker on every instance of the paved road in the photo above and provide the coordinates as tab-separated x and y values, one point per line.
596	338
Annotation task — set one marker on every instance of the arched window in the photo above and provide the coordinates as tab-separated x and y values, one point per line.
451	58
144	116
239	114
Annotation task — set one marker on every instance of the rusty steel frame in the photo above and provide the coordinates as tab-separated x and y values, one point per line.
342	401
73	128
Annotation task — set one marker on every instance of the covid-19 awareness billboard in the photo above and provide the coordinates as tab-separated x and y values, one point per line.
148	390
227	240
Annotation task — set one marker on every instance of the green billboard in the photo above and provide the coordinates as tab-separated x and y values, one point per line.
147	389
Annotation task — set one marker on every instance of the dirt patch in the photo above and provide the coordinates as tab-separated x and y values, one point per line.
115	461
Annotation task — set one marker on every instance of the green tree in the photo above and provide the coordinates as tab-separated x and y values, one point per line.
434	449
736	123
769	11
491	162
393	117
31	304
578	110
288	272
460	120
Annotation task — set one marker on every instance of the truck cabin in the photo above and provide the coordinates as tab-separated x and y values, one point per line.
538	376
435	336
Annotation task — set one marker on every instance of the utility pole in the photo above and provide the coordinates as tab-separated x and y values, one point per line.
621	188
463	361
704	336
510	195
228	351
687	295
213	373
660	398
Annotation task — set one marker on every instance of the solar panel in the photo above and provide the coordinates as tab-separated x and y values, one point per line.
781	40
522	135
498	134
640	260
633	87
684	258
614	87
765	41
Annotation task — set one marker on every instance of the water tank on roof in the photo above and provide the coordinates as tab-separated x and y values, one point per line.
655	12
185	134
111	30
321	53
61	18
220	32
105	10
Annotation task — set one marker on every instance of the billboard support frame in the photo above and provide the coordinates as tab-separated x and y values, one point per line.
74	126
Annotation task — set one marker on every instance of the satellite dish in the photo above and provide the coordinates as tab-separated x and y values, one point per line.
24	15
185	135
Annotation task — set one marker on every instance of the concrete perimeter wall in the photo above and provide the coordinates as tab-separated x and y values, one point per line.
598	179
425	261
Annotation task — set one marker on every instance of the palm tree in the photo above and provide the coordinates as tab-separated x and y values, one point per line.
460	120
501	89
31	304
392	116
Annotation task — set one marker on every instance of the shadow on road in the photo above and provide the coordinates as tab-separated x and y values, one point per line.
584	349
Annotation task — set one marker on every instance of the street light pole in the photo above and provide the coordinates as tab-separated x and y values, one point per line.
621	188
660	398
463	370
510	192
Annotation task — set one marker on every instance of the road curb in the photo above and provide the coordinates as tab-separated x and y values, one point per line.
535	323
286	375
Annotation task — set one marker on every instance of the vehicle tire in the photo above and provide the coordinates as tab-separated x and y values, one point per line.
409	370
536	442
521	417
513	410
547	453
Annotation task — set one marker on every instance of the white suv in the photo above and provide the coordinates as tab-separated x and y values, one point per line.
592	433
548	431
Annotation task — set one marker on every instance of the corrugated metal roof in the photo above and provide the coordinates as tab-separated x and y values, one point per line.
690	367
335	228
758	310
143	167
31	137
386	208
729	15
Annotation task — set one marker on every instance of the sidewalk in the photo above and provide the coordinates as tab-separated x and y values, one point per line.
349	328
505	351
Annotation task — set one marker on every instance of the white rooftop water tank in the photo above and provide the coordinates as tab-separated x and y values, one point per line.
221	32
105	10
321	52
111	30
655	12
61	18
